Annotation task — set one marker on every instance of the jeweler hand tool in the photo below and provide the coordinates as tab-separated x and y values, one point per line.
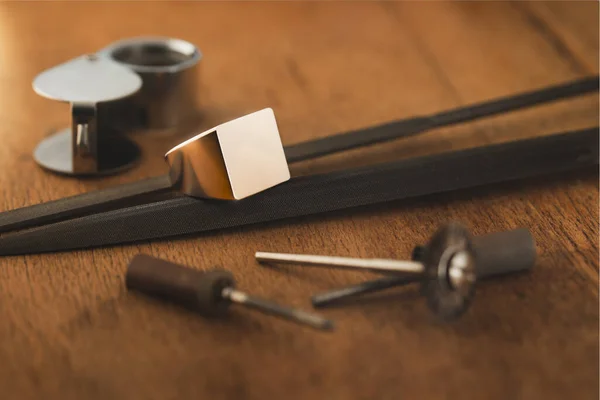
498	253
447	268
210	293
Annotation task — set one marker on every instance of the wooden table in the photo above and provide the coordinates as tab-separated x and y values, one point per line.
69	330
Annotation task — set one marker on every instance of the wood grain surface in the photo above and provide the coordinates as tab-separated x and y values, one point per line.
69	330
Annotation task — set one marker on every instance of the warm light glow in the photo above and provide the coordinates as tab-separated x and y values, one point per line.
9	31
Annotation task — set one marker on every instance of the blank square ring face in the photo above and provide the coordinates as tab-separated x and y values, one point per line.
253	153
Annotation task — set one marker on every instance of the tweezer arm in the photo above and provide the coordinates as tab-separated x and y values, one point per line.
416	125
77	206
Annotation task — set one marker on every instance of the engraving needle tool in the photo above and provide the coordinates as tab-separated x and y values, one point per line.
209	293
448	269
498	253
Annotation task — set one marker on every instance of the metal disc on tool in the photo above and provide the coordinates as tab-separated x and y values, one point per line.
87	79
450	274
55	153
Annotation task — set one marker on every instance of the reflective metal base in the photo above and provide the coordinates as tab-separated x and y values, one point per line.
116	154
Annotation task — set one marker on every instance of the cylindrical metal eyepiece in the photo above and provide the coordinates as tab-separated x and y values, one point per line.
169	71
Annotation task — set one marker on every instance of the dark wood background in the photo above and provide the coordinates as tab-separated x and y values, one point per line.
69	330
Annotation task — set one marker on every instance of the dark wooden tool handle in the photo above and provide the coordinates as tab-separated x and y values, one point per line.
196	290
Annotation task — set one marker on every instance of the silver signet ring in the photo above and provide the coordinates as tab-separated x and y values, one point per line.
231	161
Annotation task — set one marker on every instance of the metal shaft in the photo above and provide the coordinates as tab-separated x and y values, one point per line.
303	317
369	264
326	298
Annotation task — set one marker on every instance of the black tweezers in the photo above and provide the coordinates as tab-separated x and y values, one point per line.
127	213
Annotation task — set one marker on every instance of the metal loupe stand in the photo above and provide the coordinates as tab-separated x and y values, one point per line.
89	147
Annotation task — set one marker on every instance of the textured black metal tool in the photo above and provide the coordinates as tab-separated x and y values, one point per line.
496	253
209	293
317	194
416	125
155	189
121	196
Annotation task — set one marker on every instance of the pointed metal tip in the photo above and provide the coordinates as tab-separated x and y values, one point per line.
328	325
313	320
